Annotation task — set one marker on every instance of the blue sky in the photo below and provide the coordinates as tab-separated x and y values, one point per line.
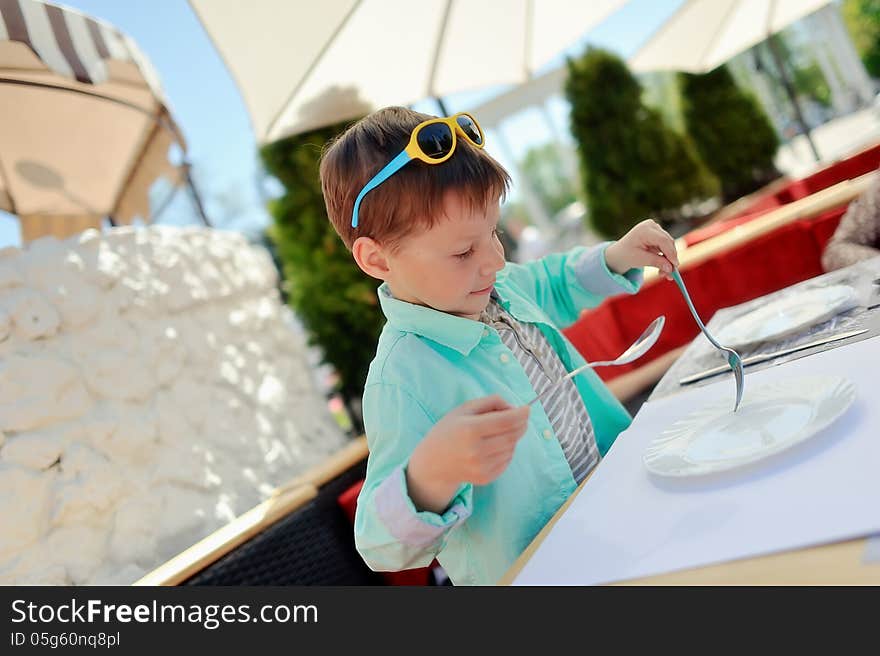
209	109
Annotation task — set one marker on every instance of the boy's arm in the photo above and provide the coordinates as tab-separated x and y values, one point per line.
391	534
563	284
858	232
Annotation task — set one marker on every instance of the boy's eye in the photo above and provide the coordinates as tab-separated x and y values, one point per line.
465	255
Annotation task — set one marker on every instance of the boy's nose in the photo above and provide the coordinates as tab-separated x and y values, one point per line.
494	263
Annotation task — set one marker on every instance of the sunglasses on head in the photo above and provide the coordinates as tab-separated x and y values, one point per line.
433	142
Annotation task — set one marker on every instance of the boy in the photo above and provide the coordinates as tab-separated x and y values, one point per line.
459	467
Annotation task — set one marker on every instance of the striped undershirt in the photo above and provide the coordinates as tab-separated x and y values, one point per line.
564	406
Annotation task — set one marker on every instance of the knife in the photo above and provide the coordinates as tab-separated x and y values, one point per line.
763	357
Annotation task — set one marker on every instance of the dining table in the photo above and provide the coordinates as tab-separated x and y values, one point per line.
681	537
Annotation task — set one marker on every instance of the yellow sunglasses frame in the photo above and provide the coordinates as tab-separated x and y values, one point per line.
414	151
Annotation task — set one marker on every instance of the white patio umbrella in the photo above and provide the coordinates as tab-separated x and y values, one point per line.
703	34
301	65
84	126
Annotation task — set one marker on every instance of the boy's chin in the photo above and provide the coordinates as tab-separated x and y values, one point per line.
471	309
477	306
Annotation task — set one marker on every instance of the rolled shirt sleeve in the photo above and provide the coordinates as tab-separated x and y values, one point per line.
418	528
594	275
564	284
391	534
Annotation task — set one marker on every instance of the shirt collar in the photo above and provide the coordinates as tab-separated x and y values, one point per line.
449	330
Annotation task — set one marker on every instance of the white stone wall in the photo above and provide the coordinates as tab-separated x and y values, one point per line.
152	388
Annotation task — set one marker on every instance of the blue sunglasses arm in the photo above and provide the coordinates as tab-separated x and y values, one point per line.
390	169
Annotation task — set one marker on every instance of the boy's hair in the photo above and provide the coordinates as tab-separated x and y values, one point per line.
411	198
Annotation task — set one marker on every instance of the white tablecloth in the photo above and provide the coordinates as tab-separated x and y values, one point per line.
628	524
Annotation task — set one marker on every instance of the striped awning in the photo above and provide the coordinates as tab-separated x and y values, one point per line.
85	128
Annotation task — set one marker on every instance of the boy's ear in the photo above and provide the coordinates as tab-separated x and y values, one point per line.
370	257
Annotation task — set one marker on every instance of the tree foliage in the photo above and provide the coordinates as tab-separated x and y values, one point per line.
634	165
730	130
333	298
862	17
545	168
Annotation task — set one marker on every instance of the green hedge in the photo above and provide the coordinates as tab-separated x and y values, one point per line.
862	18
333	298
730	130
634	166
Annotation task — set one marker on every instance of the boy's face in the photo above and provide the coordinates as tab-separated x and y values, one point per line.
452	266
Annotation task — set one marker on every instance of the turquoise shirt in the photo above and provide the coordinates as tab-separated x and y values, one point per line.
428	363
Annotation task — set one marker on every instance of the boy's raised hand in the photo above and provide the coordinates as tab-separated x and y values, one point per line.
473	443
642	246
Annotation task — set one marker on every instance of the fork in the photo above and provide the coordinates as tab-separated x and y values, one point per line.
733	358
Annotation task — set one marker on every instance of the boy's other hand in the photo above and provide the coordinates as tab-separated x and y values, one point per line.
473	443
647	244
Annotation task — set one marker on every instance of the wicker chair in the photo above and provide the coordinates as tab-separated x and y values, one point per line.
313	545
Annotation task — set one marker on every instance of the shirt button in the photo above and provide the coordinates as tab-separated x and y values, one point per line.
548	433
504	357
485	331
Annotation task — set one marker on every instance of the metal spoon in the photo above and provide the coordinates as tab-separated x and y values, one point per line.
636	350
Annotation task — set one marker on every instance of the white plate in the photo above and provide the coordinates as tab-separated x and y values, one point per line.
772	418
788	314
